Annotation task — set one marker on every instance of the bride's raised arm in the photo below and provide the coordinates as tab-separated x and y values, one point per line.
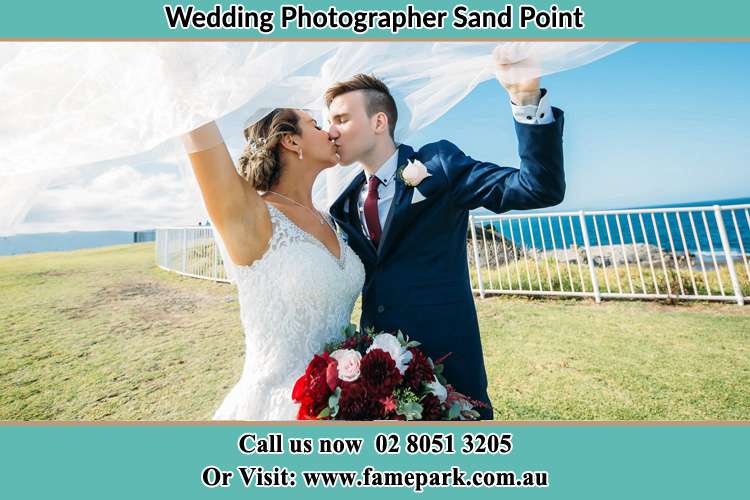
235	207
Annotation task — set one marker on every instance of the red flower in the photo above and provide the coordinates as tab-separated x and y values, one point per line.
389	405
350	343
313	389
357	342
300	387
317	382
353	404
379	374
307	410
431	408
419	370
332	374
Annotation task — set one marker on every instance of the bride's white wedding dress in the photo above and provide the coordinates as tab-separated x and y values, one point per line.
293	300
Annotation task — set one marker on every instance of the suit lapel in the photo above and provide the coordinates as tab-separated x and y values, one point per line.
342	206
401	199
346	214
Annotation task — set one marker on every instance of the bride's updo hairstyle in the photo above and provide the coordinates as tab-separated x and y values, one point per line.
260	162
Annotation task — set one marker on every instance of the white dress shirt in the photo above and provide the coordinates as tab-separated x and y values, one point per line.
386	190
531	114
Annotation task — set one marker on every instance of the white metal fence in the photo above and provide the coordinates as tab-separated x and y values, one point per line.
191	251
690	253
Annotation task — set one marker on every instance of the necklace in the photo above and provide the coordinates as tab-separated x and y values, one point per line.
314	212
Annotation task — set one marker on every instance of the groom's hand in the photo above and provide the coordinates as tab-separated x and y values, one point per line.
512	70
523	93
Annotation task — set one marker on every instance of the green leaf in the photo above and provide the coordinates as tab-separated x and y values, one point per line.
350	331
455	410
333	401
414	343
400	337
405	395
441	379
411	410
325	413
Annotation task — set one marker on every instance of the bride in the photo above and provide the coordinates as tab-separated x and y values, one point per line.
297	280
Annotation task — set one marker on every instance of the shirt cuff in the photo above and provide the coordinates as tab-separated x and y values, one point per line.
540	114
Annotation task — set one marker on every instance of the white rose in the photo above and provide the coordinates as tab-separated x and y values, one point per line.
348	364
438	390
392	346
414	173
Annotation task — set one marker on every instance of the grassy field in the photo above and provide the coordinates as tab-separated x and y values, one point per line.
103	334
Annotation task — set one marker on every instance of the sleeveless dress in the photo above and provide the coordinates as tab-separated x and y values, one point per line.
293	300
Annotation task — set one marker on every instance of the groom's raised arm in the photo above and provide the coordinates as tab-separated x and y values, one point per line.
540	182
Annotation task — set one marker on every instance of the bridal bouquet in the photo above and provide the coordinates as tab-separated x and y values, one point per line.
378	377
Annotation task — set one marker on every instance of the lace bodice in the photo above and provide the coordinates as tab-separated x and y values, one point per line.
293	300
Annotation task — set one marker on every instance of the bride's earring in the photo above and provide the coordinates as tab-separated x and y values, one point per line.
300	154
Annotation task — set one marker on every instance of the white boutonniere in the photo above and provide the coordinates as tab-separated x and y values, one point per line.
413	173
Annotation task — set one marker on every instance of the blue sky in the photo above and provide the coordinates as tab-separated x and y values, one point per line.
655	123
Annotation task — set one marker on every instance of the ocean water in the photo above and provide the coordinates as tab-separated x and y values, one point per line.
62	242
695	231
700	235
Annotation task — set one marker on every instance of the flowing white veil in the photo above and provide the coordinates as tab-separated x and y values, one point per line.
65	105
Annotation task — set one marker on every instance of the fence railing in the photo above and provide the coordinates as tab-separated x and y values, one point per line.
686	253
191	251
690	253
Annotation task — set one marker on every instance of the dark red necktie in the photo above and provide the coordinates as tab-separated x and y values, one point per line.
371	210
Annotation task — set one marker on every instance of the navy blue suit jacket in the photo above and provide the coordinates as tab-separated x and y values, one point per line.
417	280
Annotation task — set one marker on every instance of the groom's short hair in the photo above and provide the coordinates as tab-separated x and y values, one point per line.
377	96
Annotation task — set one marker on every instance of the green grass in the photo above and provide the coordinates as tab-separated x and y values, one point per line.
572	359
103	334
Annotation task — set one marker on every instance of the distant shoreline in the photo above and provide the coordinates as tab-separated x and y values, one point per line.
21	244
26	243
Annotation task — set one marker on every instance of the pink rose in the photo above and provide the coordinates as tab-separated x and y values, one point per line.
414	173
348	364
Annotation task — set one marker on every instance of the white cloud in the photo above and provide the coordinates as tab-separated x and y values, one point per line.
121	197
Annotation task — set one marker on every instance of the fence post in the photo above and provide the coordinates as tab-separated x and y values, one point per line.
165	261
216	254
184	250
587	244
728	256
476	256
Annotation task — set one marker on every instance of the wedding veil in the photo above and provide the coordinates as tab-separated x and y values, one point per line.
65	105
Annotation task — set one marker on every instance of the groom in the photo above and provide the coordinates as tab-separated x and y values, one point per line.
406	216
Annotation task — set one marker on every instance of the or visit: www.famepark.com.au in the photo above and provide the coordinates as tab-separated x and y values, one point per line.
370	477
